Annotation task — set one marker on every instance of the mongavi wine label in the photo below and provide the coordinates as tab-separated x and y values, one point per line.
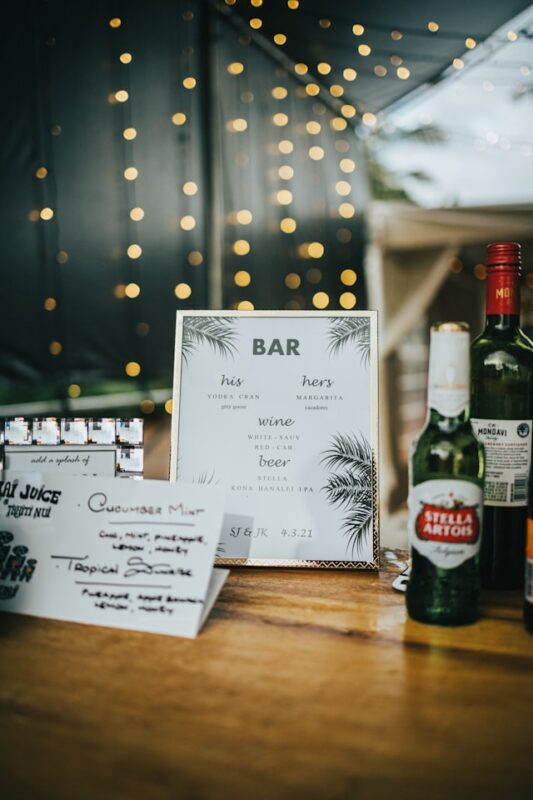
508	459
445	521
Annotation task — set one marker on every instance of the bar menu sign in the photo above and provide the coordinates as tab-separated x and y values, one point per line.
281	409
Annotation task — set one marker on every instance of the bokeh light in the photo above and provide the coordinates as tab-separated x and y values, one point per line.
132	369
320	300
182	291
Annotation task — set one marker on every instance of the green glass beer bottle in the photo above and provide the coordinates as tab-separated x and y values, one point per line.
502	412
446	490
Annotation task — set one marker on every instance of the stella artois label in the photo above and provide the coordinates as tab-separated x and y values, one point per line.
445	521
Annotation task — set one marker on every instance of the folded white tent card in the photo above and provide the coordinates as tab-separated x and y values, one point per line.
103	551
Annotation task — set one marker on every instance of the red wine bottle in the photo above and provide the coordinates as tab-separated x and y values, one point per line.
502	412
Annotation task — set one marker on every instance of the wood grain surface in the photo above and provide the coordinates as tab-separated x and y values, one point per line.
302	685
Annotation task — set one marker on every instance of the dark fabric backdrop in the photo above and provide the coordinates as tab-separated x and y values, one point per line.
60	72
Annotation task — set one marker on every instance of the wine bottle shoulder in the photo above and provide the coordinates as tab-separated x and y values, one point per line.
514	339
503	353
502	377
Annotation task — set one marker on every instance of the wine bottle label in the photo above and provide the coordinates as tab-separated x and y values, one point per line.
449	372
445	521
529	562
507	459
503	292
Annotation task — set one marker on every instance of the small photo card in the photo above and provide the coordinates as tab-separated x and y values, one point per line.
281	408
17	431
101	431
74	431
104	551
46	431
130	460
130	431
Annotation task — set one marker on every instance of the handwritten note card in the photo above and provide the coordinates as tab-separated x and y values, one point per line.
105	551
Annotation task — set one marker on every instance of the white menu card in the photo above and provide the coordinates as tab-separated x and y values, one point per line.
104	551
281	409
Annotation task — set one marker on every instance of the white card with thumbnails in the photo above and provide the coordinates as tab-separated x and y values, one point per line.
105	551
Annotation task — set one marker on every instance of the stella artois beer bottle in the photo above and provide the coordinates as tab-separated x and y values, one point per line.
502	414
446	490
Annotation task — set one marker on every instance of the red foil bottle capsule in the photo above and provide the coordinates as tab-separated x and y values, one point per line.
503	278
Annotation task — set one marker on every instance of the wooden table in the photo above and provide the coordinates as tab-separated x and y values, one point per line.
302	685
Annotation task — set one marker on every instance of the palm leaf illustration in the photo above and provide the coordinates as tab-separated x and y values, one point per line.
351	453
350	330
205	478
345	491
217	332
349	486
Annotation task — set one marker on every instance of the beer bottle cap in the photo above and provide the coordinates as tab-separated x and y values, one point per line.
450	327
